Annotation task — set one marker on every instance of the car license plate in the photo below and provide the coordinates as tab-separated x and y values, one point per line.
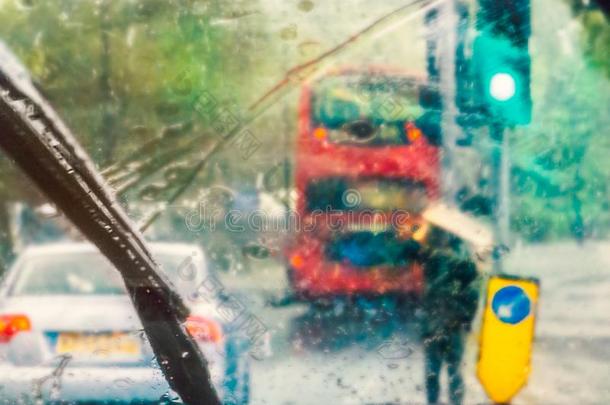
98	344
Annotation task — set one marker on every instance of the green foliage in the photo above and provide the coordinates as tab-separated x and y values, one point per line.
121	73
112	66
561	170
596	33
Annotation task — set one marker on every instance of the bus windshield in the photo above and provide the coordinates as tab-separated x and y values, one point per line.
387	103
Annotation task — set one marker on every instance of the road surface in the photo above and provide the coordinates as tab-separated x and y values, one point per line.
364	357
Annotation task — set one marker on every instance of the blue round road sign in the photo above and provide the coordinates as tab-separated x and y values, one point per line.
511	304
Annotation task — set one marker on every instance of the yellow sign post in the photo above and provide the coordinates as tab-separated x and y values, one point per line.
507	334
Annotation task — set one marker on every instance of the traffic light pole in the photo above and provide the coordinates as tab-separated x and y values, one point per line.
501	61
500	186
441	41
447	45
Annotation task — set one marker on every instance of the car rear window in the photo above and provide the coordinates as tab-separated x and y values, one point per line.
74	274
86	273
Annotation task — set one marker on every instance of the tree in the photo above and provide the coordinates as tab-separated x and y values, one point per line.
113	70
594	16
560	177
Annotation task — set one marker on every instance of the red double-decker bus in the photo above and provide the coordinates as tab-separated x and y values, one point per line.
367	163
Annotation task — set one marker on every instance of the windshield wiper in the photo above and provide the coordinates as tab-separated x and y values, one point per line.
34	136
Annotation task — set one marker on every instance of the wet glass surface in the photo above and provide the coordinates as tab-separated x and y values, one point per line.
338	185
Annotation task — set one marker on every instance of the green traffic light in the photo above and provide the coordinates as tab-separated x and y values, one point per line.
502	86
502	78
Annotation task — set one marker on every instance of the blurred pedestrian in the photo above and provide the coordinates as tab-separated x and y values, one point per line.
449	304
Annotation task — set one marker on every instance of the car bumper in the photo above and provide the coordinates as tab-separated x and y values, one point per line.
87	384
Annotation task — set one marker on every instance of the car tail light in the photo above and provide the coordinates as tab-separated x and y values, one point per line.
203	329
10	325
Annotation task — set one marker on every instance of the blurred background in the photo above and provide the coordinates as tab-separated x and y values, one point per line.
149	87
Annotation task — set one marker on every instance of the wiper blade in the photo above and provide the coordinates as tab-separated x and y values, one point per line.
34	136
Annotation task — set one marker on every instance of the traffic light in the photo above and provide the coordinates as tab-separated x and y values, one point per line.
501	61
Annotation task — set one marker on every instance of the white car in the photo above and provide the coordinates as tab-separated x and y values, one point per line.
69	332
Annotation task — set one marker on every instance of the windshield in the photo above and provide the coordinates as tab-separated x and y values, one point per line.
355	202
368	249
384	101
